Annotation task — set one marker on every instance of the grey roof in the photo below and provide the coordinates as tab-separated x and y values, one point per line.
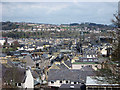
42	43
65	51
62	66
70	86
15	74
67	74
2	54
45	55
1	70
68	63
10	63
35	74
29	61
87	68
56	59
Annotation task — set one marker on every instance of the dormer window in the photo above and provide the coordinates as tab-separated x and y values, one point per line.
66	81
89	65
52	81
96	66
60	81
75	82
72	87
15	84
19	84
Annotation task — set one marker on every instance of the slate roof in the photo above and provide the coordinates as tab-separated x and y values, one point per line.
87	68
68	63
16	74
67	74
35	74
29	61
62	66
82	59
69	86
10	63
45	56
0	71
42	43
57	59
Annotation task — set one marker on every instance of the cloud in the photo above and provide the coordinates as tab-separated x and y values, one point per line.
0	12
59	0
25	7
50	8
57	8
59	12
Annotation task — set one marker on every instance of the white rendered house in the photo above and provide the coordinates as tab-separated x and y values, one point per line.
29	81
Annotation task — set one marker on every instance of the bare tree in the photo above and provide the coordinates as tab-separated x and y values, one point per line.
116	44
111	70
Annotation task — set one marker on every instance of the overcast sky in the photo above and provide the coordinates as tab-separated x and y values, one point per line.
59	12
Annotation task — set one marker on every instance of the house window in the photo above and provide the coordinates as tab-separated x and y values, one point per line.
37	64
60	81
19	84
15	84
89	65
66	81
52	81
96	66
75	82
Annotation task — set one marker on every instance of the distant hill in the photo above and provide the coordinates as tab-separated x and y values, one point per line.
74	24
8	25
92	26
